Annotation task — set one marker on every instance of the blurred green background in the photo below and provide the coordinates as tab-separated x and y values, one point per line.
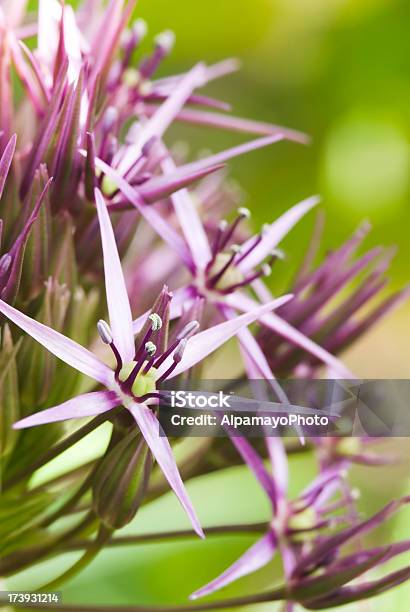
339	70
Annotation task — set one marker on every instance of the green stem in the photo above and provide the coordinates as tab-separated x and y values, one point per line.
94	548
222	530
56	450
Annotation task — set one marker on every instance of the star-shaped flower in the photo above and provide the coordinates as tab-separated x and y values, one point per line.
138	370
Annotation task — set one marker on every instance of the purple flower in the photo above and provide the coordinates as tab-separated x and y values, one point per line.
316	314
293	522
138	370
222	274
315	573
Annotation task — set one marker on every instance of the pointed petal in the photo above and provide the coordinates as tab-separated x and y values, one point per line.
223	156
17	251
280	326
161	449
330	543
256	465
5	161
161	187
117	298
212	72
364	590
275	232
163	117
180	298
253	559
89	404
62	347
158	223
203	344
255	361
190	222
235	124
279	463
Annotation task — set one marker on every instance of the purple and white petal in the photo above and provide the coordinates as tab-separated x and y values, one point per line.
203	344
280	467
163	117
235	124
253	559
189	221
5	161
161	449
87	405
256	465
244	303
62	347
163	186
158	223
275	232
223	156
117	298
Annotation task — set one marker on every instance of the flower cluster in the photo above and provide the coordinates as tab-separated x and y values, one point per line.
119	271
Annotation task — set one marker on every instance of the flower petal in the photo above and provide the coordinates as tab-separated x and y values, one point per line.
161	449
279	463
280	326
5	161
181	298
158	223
275	232
363	590
160	187
331	543
89	404
254	558
62	347
256	465
164	116
117	298
223	156
190	222
235	124
203	344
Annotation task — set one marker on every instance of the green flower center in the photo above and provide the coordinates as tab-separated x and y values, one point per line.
304	520
144	383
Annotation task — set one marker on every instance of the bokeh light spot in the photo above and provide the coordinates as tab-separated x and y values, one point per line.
365	165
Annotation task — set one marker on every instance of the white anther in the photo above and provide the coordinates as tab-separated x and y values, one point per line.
355	493
244	212
165	40
150	348
140	28
278	253
104	331
156	321
266	269
189	329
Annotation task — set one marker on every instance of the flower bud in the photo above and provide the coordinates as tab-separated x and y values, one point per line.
121	480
